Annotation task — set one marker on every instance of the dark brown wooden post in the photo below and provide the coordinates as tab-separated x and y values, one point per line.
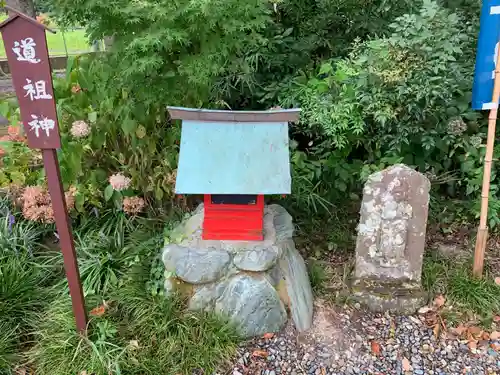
26	47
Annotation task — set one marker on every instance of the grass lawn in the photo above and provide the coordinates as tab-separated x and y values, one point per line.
76	41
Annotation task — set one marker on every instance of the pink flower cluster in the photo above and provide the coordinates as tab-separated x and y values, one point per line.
37	206
133	205
80	129
119	182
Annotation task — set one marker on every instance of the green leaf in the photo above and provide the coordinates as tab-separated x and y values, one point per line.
79	202
325	68
108	192
287	32
159	193
98	138
4	109
128	126
92	116
69	66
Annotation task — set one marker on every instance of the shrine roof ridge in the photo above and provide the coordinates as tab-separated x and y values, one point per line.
197	114
17	14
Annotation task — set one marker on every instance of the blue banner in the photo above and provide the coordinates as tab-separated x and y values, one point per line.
487	47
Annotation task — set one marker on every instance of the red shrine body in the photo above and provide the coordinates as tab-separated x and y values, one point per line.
232	221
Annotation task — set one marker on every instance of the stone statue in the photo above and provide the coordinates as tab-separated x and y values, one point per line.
391	239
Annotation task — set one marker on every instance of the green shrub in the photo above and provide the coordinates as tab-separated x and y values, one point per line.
398	98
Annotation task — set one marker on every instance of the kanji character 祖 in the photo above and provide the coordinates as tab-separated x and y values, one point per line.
36	91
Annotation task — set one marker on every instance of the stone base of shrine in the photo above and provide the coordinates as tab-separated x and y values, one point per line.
258	285
391	296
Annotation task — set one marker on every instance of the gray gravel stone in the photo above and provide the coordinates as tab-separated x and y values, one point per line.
349	350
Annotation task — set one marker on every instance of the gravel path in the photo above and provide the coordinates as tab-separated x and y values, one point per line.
349	341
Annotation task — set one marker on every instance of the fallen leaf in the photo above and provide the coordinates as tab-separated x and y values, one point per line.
98	311
439	301
495	335
497	280
495	347
375	347
435	330
405	363
496	319
486	336
323	371
83	372
260	353
458	331
475	332
268	336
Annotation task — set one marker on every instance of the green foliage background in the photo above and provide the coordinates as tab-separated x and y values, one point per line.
379	83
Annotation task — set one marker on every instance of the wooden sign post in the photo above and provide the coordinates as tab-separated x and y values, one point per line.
26	48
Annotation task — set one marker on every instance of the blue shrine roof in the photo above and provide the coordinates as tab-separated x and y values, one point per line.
234	157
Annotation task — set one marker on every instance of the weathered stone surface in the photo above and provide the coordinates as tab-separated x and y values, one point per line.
398	298
391	231
256	260
300	297
195	266
253	304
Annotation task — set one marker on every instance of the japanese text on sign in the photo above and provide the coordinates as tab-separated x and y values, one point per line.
25	50
37	90
26	47
41	123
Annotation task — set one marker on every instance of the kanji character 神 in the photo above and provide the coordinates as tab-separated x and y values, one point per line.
41	123
36	91
25	50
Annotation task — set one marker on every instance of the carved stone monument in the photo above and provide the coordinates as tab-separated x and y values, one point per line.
391	240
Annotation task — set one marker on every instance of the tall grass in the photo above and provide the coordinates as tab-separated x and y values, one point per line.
454	279
138	334
25	274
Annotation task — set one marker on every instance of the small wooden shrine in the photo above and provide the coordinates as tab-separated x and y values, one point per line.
233	158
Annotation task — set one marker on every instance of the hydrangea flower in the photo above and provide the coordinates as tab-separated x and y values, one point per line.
476	141
119	182
457	126
37	205
133	205
79	129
